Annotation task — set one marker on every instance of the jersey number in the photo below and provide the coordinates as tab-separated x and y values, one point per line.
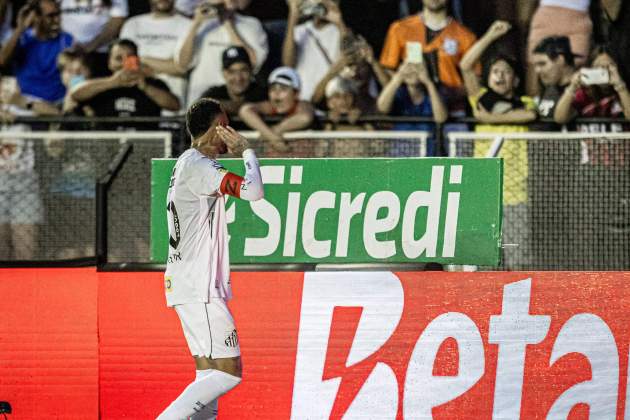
172	215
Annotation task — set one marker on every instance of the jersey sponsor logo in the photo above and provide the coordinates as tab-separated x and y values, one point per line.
450	46
168	284
232	339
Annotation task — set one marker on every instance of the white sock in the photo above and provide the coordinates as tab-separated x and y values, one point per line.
199	394
210	411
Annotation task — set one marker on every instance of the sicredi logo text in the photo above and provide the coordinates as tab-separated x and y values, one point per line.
420	216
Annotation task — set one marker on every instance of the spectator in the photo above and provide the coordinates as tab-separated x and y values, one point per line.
495	102
94	23
444	42
75	69
127	92
568	18
412	93
214	29
554	66
156	36
341	96
6	15
312	47
240	85
284	93
187	7
496	105
21	209
605	100
617	13
357	63
34	50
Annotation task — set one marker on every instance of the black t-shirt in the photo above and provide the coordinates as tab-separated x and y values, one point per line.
127	102
499	104
254	93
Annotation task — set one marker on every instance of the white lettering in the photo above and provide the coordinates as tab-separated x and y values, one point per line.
431	200
373	225
513	330
423	390
260	247
347	209
317	201
290	232
382	299
600	393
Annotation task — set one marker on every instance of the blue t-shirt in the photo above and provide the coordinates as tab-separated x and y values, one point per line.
36	65
404	106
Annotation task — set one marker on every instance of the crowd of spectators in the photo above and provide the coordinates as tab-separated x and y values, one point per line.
95	58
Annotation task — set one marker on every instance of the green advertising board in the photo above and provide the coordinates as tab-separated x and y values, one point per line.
357	211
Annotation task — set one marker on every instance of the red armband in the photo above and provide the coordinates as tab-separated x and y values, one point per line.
231	184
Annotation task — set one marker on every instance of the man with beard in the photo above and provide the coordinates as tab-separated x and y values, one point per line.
33	49
313	46
240	85
444	42
216	26
156	35
197	278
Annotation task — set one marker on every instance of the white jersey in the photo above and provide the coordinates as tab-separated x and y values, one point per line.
198	265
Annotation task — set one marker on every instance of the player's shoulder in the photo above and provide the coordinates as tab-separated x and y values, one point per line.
193	160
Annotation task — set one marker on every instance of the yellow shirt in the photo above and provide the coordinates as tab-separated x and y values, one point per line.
513	152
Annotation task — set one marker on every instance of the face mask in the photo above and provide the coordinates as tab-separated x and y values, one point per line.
75	80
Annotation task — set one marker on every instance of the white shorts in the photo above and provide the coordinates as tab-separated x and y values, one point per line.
209	329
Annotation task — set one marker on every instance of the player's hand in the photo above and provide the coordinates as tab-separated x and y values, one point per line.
235	143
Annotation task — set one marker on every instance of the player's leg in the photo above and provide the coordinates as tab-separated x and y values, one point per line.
212	339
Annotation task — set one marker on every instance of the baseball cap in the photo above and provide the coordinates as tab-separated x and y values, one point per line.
235	55
340	85
285	76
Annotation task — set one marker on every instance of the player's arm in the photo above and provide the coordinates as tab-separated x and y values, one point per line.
250	187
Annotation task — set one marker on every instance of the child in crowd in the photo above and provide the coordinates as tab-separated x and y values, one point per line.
341	97
495	103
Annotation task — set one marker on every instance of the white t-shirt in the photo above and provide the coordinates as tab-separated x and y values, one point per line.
157	38
85	19
311	63
198	265
186	7
579	5
211	40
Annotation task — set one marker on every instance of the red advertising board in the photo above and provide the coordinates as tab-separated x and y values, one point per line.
325	345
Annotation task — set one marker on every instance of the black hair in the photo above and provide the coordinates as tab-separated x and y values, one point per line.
556	46
126	43
201	115
510	60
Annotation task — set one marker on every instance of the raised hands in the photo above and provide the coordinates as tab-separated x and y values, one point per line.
498	29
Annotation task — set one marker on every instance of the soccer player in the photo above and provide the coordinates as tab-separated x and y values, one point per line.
197	278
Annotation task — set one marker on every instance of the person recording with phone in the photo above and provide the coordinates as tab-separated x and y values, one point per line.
314	46
128	92
596	91
216	26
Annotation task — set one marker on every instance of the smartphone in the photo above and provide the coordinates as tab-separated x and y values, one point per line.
595	76
414	52
131	63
